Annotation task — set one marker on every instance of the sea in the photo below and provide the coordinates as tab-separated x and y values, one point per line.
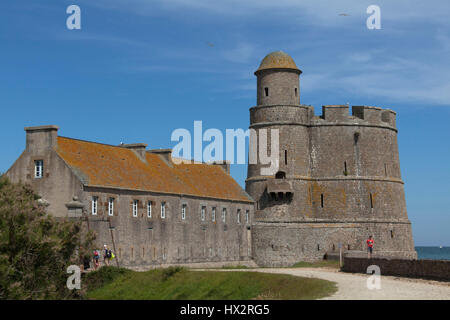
433	253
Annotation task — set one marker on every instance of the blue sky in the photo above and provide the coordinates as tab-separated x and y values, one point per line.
138	69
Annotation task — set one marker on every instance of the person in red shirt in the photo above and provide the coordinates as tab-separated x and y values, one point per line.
369	247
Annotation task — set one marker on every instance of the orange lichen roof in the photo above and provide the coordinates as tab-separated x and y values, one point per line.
278	60
117	167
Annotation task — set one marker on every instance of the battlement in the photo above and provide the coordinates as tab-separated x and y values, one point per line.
360	115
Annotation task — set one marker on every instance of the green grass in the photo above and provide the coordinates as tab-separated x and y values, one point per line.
319	264
183	284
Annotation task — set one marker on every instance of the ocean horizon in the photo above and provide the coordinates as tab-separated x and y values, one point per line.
433	253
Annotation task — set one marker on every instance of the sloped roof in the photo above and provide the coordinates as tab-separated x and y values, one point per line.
117	167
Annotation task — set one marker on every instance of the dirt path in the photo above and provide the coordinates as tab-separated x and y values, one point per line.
354	286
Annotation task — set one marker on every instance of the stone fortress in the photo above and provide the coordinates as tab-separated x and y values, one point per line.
338	182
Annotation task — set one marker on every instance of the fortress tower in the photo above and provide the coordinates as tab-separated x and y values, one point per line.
338	180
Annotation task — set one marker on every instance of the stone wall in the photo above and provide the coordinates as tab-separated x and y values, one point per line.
340	177
147	241
426	269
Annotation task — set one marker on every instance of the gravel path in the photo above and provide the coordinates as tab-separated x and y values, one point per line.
354	286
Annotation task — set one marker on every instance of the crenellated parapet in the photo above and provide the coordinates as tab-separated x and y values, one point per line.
331	115
361	115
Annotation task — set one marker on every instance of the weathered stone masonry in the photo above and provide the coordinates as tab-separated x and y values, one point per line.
339	177
77	172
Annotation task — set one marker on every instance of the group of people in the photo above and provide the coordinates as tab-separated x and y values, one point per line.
108	255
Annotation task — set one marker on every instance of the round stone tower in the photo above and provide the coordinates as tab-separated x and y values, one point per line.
337	179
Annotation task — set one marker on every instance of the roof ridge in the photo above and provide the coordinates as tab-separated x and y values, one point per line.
88	141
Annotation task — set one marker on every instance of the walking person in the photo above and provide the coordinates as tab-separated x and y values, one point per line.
96	259
370	243
106	255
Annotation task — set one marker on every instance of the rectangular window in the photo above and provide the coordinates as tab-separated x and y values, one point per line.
164	254
203	213
213	214
239	216
247	216
371	201
149	209
321	200
38	169
183	212
111	206
224	215
266	91
94	205
163	210
135	208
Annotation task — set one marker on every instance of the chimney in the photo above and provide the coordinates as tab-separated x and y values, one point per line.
165	154
225	165
42	138
139	148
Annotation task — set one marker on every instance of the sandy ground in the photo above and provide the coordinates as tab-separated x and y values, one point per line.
354	286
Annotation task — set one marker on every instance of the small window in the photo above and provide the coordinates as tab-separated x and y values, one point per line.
247	216
224	215
149	209
183	211
321	200
203	213
94	206
213	214
164	254
38	169
285	157
135	208
371	201
296	92
163	210
239	216
266	91
392	234
111	206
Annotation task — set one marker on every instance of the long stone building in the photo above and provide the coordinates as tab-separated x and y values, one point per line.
338	182
149	210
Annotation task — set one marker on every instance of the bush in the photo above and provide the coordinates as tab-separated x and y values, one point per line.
170	271
35	248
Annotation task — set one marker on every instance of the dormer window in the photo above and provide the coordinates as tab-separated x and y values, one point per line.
38	169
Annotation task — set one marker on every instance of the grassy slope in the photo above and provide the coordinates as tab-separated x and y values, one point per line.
183	284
